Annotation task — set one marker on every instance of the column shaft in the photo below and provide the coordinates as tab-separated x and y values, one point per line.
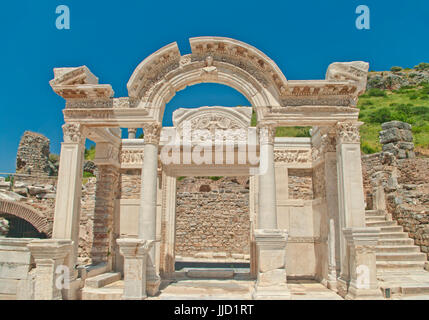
267	215
69	189
147	222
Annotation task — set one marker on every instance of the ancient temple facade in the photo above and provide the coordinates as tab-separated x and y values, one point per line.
323	237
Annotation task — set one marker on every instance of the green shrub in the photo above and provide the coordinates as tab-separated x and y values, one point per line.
396	69
381	115
367	149
90	153
87	174
375	92
215	178
422	66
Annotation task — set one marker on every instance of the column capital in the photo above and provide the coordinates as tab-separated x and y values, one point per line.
267	132
348	132
50	249
134	248
73	133
152	132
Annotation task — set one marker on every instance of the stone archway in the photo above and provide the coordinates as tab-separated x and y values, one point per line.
214	59
22	211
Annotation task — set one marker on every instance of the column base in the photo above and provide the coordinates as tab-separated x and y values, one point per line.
271	260
364	294
51	273
135	252
152	286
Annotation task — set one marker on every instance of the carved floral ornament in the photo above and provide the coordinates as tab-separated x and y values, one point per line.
348	132
152	132
73	133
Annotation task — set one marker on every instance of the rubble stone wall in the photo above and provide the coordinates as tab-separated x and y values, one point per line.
33	155
212	218
404	184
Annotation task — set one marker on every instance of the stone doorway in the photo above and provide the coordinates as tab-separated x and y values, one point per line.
213	227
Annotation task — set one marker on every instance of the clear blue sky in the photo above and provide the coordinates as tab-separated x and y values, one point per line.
113	37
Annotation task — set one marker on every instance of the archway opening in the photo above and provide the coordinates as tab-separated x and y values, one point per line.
20	228
203	94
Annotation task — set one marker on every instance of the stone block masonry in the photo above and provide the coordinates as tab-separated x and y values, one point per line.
397	138
401	180
33	155
212	219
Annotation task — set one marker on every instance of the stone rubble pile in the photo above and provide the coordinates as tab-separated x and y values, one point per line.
397	139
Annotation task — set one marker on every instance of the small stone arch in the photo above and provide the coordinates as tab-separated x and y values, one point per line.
26	213
213	60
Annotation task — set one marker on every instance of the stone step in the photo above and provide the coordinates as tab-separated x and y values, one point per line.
375	216
102	280
374	213
375	219
392	229
415	289
393	235
397	249
209	273
395	242
401	256
382	224
102	293
399	265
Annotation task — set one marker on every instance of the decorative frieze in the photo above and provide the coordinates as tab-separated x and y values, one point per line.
132	157
292	156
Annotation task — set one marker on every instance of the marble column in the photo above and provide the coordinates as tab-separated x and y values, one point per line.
270	241
350	196
132	133
267	215
148	198
69	190
331	191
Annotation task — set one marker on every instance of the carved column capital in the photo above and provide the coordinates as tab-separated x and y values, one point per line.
329	140
267	132
348	132
152	132
73	133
